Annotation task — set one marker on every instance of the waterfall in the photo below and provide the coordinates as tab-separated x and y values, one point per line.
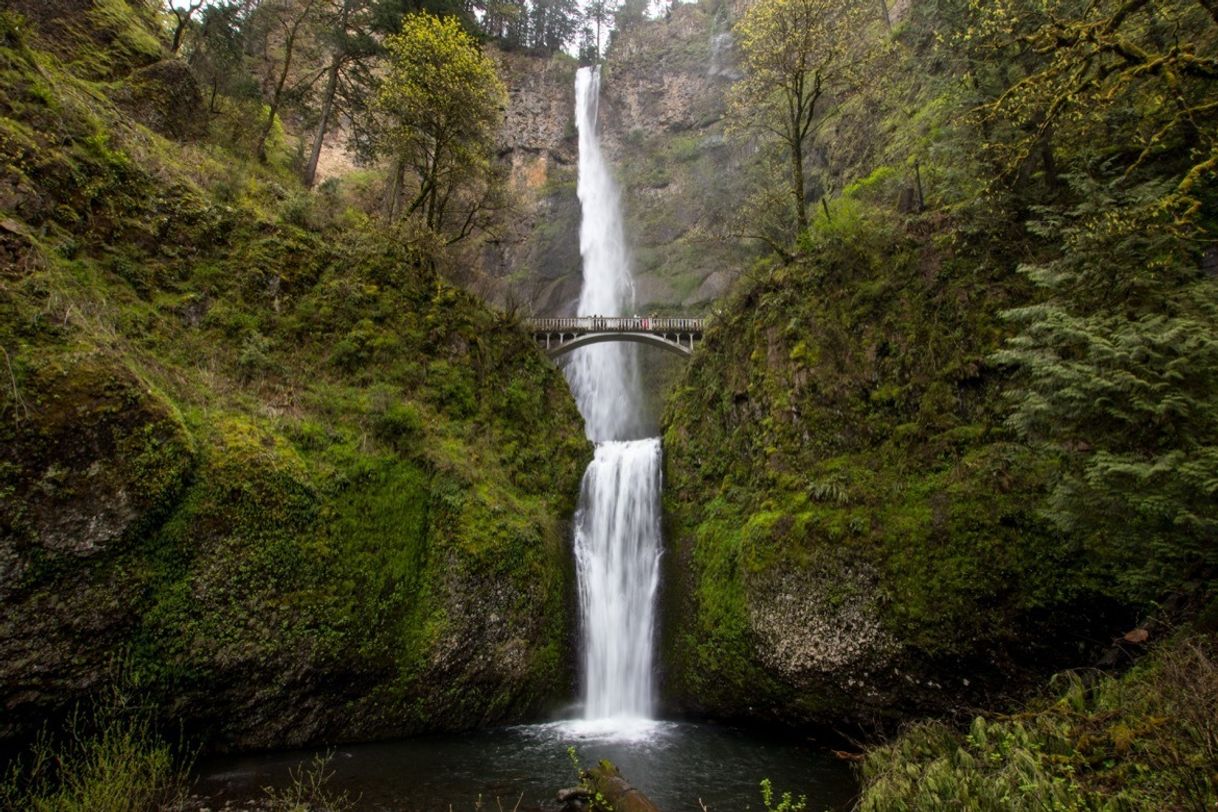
617	523
617	532
603	377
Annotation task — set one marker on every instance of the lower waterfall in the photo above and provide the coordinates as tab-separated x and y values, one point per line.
617	553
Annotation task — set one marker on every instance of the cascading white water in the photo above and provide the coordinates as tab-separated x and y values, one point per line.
617	532
617	525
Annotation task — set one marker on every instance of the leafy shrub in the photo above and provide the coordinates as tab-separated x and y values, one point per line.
1148	740
111	760
400	425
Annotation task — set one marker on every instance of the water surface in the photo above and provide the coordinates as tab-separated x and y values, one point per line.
675	763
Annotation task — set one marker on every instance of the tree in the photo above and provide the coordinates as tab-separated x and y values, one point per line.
285	21
182	16
554	23
599	14
440	107
217	55
799	57
349	26
1112	102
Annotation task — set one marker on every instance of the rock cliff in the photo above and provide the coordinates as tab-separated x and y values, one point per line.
662	102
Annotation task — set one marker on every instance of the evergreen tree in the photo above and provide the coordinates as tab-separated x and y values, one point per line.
1111	116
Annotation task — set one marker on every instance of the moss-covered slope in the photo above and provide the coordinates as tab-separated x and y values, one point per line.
852	534
253	454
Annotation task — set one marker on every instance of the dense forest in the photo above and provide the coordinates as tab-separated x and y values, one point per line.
941	477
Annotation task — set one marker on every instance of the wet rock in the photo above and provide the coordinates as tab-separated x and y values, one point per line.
573	799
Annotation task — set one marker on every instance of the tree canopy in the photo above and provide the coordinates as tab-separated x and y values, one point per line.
439	107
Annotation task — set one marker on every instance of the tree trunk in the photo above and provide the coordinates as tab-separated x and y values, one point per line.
393	192
327	102
177	34
327	105
275	98
797	187
183	16
289	46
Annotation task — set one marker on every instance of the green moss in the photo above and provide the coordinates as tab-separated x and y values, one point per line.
332	466
841	403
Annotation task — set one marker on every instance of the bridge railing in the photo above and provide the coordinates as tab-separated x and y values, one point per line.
614	324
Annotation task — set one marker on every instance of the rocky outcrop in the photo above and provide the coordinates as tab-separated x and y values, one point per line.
283	483
663	105
850	539
90	459
535	256
165	97
99	40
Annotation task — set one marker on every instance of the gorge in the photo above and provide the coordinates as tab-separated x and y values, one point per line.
282	469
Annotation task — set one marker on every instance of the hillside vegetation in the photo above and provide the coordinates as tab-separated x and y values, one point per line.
255	454
959	433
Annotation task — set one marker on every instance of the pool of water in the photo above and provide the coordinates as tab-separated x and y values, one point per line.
679	765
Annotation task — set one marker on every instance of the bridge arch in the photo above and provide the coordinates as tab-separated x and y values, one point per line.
558	336
671	344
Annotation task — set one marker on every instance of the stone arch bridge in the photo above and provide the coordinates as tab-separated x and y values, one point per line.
560	336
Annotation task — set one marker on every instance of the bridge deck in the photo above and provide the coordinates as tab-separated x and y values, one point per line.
577	325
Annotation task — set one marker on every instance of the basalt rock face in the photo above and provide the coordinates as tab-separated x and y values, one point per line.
663	104
535	259
661	117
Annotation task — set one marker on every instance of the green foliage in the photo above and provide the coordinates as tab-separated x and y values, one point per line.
983	377
440	106
1116	359
308	789
786	803
110	760
799	56
841	415
310	451
1145	740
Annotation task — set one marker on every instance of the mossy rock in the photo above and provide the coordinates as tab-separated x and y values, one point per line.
165	97
853	536
91	459
307	491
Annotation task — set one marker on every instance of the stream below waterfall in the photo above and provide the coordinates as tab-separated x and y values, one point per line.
675	763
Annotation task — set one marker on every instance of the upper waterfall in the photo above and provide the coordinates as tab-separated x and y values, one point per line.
604	378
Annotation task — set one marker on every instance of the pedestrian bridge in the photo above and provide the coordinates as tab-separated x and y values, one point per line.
560	336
